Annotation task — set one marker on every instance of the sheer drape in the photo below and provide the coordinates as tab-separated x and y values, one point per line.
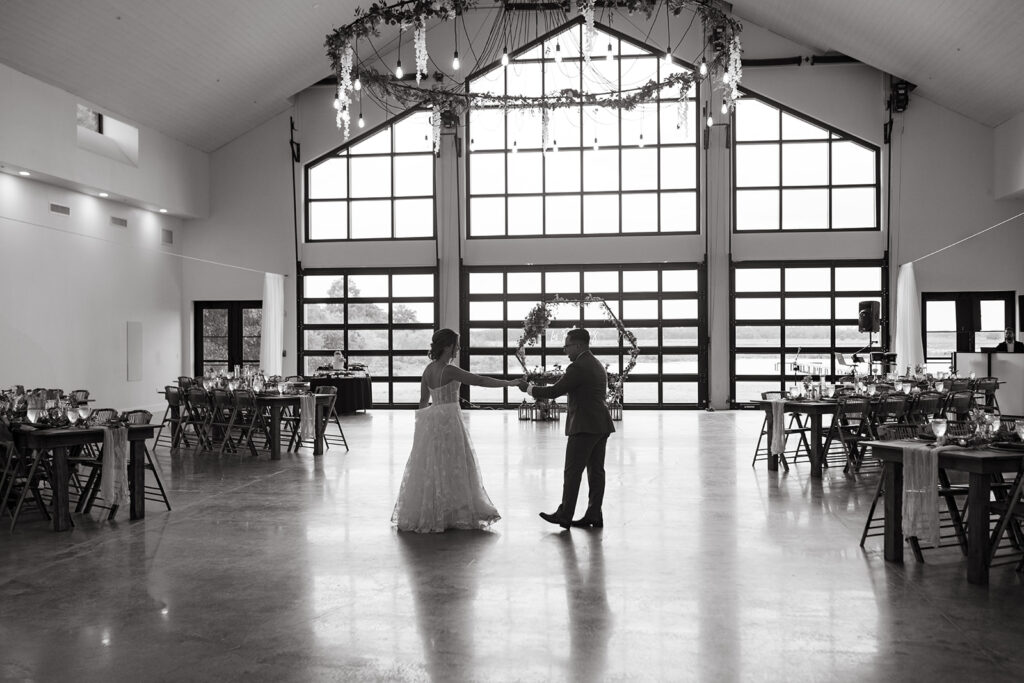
272	338
909	351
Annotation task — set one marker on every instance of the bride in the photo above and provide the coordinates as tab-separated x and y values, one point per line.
441	487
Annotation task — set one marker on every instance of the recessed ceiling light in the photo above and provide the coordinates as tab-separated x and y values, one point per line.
24	173
163	210
104	195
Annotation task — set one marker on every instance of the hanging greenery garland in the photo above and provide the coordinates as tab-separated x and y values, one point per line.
539	318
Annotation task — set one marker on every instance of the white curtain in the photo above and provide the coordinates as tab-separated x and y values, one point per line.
909	351
272	338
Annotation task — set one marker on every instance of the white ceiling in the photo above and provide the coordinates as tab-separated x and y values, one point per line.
206	71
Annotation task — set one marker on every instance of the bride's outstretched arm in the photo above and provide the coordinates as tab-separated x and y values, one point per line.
456	373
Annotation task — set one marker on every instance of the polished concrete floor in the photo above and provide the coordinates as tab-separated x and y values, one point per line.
707	569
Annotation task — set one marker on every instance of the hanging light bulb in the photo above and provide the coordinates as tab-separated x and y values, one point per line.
515	147
455	61
641	144
504	57
357	85
596	147
711	121
611	52
554	145
398	70
725	107
472	145
337	103
668	57
362	124
558	53
703	68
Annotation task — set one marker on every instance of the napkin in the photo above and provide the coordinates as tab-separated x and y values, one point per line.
114	481
921	492
307	410
778	445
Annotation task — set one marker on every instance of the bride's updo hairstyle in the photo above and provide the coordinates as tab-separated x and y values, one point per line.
441	340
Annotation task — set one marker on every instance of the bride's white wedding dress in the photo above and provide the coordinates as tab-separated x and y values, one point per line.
441	487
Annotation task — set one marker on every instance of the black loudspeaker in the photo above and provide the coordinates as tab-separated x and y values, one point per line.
868	319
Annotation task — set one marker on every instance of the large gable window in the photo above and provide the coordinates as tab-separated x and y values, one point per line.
605	170
378	186
794	173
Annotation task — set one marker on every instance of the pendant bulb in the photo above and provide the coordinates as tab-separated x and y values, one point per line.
703	68
472	145
357	85
362	123
554	145
641	141
515	147
504	57
398	70
337	103
611	52
596	147
455	61
725	107
711	121
558	53
668	56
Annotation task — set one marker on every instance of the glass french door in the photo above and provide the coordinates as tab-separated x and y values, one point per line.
227	334
963	321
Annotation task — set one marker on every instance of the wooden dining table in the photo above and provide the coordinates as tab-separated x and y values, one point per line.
813	410
981	464
58	442
278	403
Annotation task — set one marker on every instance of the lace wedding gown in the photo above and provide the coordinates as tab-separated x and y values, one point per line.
441	487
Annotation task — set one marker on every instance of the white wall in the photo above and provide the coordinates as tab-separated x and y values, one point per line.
250	226
38	132
1009	158
71	283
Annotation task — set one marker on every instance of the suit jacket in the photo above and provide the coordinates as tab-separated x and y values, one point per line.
1018	347
586	383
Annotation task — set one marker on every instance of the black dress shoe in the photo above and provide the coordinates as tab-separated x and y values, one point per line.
585	522
553	518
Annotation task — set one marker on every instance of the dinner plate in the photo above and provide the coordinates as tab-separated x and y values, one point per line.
1006	446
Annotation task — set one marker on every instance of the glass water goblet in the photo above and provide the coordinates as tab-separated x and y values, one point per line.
939	386
84	412
1019	428
938	428
34	414
872	389
71	412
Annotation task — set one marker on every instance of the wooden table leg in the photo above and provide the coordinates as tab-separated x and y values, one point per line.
137	479
978	528
773	458
893	474
175	421
815	445
275	431
321	425
61	505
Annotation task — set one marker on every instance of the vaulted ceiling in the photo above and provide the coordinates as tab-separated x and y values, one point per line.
206	71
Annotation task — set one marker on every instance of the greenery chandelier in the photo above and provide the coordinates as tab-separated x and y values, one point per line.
355	60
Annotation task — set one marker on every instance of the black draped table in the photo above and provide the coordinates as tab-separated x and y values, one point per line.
355	392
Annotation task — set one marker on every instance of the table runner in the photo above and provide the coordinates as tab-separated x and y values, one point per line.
921	492
778	445
307	411
114	481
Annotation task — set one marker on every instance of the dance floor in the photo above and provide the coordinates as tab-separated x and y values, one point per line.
707	569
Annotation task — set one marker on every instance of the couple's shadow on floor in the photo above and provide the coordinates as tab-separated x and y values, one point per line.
445	572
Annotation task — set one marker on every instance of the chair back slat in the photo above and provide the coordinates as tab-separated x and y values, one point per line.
895	432
104	414
138	417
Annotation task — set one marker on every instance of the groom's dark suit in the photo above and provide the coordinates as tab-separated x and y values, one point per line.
587	425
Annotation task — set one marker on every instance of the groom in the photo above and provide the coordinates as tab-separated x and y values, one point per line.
587	425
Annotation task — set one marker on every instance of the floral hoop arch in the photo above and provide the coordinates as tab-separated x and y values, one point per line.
536	323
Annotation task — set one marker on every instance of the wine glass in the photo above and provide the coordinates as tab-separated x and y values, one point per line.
831	390
34	414
84	412
939	386
872	389
938	427
71	412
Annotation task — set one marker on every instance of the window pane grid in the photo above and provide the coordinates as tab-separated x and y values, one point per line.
389	334
590	164
347	200
667	345
826	182
763	346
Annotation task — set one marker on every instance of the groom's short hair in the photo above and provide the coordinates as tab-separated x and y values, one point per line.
578	334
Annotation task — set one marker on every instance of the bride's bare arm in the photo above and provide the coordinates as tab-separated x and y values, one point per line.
424	393
454	372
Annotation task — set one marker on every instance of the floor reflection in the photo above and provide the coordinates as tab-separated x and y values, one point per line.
590	619
444	571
